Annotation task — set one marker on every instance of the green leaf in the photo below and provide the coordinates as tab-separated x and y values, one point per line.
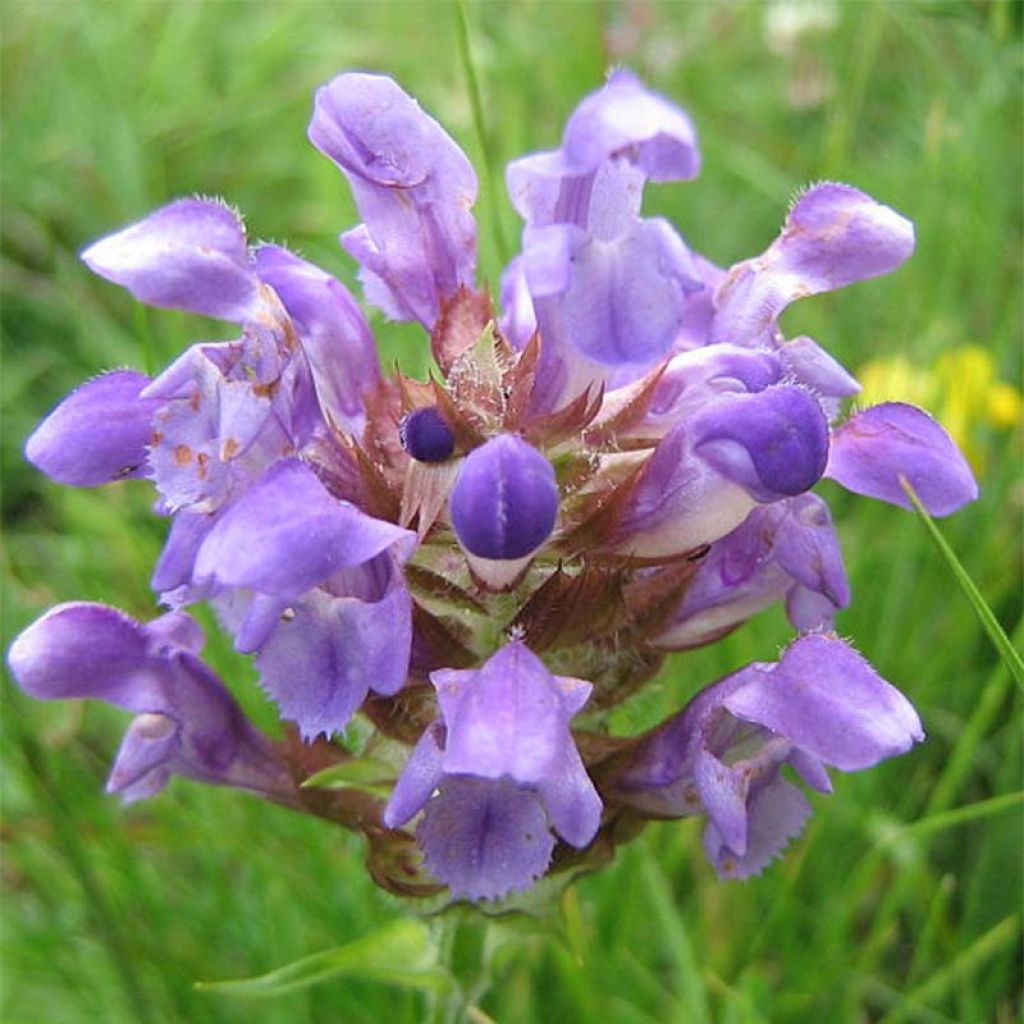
364	773
996	633
399	954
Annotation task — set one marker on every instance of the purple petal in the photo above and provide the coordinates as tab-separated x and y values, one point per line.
325	654
420	777
174	573
813	366
509	717
83	649
807	548
773	443
98	434
332	330
826	699
723	791
505	502
626	119
834	235
190	255
287	534
413	186
485	838
143	764
777	813
874	448
572	802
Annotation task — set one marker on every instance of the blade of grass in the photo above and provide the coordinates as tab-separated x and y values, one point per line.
669	920
997	634
962	757
986	946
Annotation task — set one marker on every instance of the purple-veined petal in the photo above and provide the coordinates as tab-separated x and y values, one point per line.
875	447
826	699
98	434
485	838
189	255
328	650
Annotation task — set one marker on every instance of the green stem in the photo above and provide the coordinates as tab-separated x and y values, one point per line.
462	938
480	124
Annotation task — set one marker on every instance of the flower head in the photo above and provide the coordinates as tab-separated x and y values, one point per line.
618	462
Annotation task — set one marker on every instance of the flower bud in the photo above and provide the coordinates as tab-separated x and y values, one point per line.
503	508
426	436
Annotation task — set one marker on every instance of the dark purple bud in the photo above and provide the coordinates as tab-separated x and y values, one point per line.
773	443
506	500
426	435
98	434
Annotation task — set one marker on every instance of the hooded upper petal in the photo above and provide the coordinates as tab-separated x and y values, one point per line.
413	186
98	434
190	254
826	699
834	235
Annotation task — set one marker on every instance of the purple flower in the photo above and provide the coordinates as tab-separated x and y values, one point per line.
186	721
503	507
334	334
822	704
313	586
709	471
496	774
414	188
608	289
784	551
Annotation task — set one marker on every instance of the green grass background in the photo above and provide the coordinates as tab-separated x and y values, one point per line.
902	900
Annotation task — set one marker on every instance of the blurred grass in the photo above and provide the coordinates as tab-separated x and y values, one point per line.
889	907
